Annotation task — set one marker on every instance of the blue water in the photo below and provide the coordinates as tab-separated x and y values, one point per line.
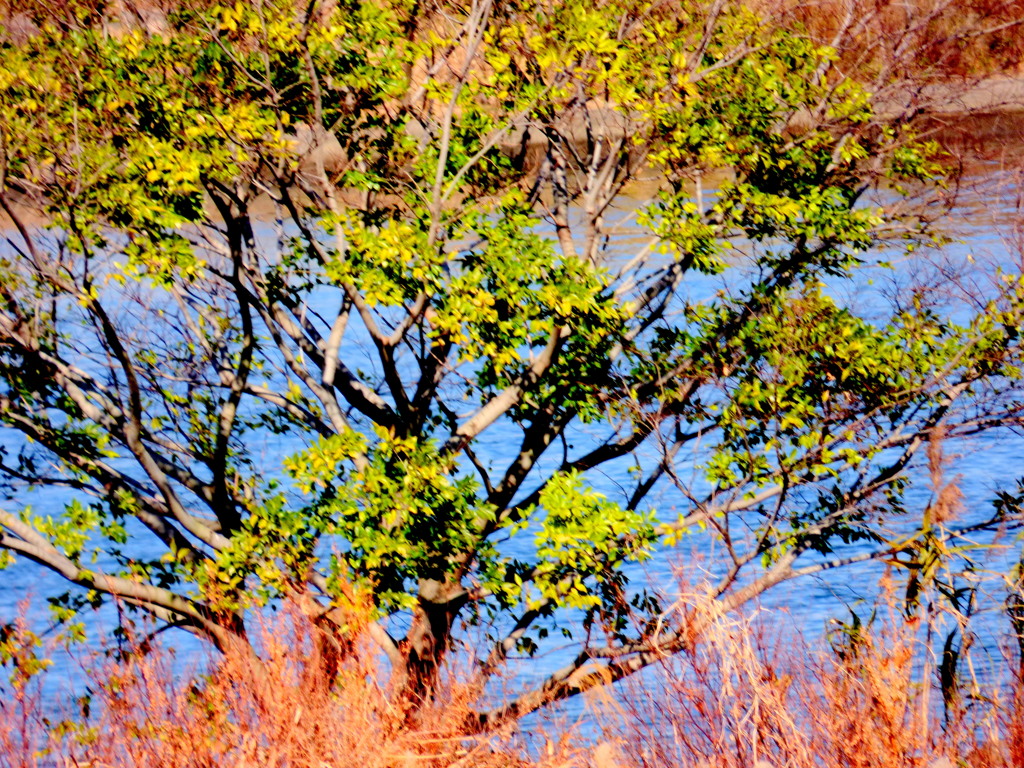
981	465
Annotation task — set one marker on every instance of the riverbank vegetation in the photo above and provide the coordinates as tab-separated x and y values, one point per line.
748	695
333	299
916	40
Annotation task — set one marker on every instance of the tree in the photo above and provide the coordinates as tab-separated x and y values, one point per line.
298	297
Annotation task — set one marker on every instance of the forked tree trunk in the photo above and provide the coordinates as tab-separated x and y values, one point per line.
428	641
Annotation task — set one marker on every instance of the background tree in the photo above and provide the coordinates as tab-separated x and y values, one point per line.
304	296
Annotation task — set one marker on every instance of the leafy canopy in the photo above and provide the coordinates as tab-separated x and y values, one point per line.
300	296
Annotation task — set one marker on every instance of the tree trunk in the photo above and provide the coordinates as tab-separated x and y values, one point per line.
429	639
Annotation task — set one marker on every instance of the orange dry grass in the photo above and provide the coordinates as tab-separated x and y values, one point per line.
747	699
744	697
283	709
280	711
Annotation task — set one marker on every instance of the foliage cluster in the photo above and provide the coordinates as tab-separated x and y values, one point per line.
284	305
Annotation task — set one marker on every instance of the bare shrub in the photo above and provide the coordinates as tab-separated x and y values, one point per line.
912	39
24	729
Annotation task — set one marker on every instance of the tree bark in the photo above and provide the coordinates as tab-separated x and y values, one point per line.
429	639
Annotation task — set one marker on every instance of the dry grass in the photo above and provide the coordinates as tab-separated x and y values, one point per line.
281	711
747	696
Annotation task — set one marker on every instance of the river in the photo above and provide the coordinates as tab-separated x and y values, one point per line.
986	226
